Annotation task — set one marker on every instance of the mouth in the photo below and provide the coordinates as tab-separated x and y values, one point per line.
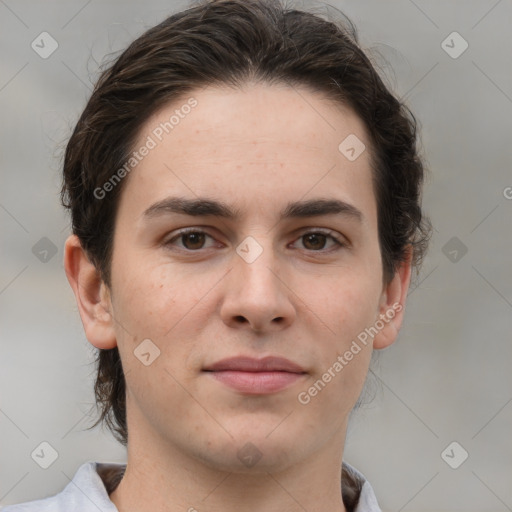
256	376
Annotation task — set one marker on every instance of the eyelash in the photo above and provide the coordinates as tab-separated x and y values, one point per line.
327	233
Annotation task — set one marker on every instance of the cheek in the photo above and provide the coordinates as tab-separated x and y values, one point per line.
346	347
345	305
344	355
154	302
152	299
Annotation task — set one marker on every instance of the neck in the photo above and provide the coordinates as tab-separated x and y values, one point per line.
163	478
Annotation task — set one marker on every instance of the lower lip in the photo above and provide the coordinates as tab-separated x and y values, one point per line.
256	383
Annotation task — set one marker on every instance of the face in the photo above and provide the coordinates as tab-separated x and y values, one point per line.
281	260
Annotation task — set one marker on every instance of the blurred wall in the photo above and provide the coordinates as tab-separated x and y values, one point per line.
447	379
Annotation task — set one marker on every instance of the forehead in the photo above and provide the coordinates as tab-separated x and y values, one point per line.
256	146
259	113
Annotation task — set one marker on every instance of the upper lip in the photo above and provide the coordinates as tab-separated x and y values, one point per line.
250	364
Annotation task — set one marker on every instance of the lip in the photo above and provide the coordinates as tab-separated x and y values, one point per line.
251	364
256	376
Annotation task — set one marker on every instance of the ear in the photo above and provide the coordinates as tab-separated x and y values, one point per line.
92	295
392	304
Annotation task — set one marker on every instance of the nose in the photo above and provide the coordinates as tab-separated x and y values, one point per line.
257	295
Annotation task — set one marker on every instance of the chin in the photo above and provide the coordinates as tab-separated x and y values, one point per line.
248	459
253	453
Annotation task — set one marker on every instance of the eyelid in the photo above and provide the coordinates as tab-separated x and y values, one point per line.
337	238
184	231
324	231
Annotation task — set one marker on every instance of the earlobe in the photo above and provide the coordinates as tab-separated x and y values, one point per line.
92	295
392	307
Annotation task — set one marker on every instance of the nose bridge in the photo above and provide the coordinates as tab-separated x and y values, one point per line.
258	261
255	293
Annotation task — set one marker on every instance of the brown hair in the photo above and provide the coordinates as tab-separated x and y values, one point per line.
232	42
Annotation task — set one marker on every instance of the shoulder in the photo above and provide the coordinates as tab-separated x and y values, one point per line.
358	494
85	492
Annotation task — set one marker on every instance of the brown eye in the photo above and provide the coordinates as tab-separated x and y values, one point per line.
316	241
195	240
191	240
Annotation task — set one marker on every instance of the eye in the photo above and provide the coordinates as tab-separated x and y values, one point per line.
315	240
192	238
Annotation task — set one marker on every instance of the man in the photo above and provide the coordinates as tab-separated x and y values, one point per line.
245	196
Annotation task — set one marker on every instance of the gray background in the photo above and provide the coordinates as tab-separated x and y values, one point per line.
448	376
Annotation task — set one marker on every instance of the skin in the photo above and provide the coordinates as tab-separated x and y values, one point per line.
199	302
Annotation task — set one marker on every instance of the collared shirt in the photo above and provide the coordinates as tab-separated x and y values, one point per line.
93	482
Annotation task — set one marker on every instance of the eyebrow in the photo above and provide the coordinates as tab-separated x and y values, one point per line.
203	206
